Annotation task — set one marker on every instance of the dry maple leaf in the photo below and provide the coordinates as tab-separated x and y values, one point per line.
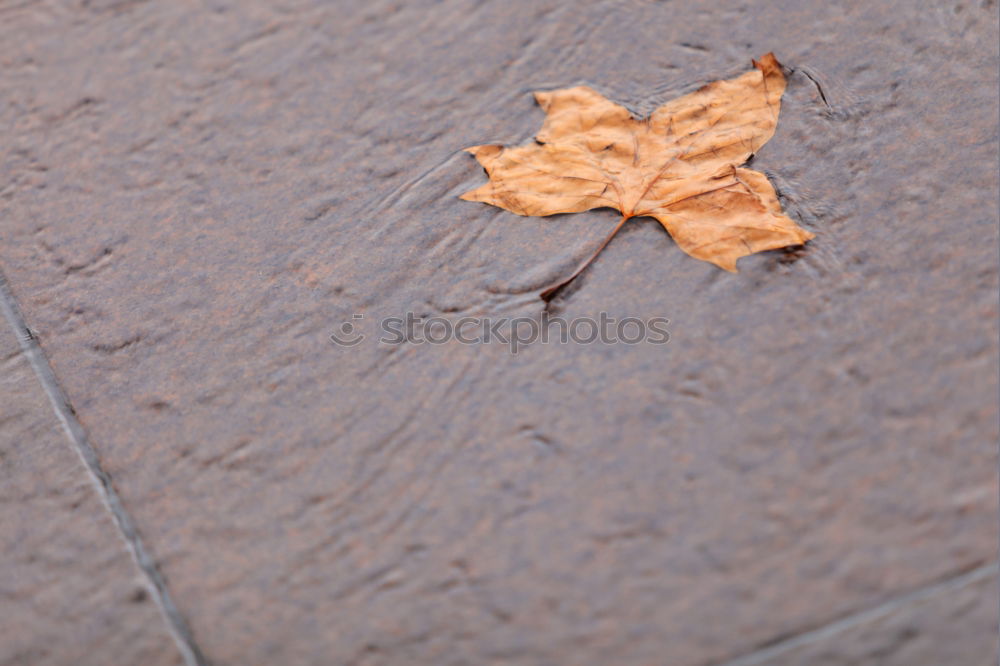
681	165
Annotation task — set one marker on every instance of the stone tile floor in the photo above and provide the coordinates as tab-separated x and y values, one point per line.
193	196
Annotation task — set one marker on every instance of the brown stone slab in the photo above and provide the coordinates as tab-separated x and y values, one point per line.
951	623
69	591
196	197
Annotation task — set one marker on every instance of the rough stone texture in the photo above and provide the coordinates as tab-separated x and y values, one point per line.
195	195
953	626
69	592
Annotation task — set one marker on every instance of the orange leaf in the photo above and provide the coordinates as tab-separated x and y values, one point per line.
681	165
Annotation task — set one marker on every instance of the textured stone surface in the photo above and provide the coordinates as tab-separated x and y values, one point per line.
195	195
957	625
69	592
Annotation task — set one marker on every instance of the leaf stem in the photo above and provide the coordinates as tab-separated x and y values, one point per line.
551	292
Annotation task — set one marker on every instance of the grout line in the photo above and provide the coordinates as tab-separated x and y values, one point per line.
764	655
176	624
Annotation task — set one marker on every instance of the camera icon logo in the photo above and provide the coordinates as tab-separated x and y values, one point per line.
347	336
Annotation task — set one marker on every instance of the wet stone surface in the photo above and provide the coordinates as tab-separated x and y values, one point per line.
69	592
194	198
952	625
